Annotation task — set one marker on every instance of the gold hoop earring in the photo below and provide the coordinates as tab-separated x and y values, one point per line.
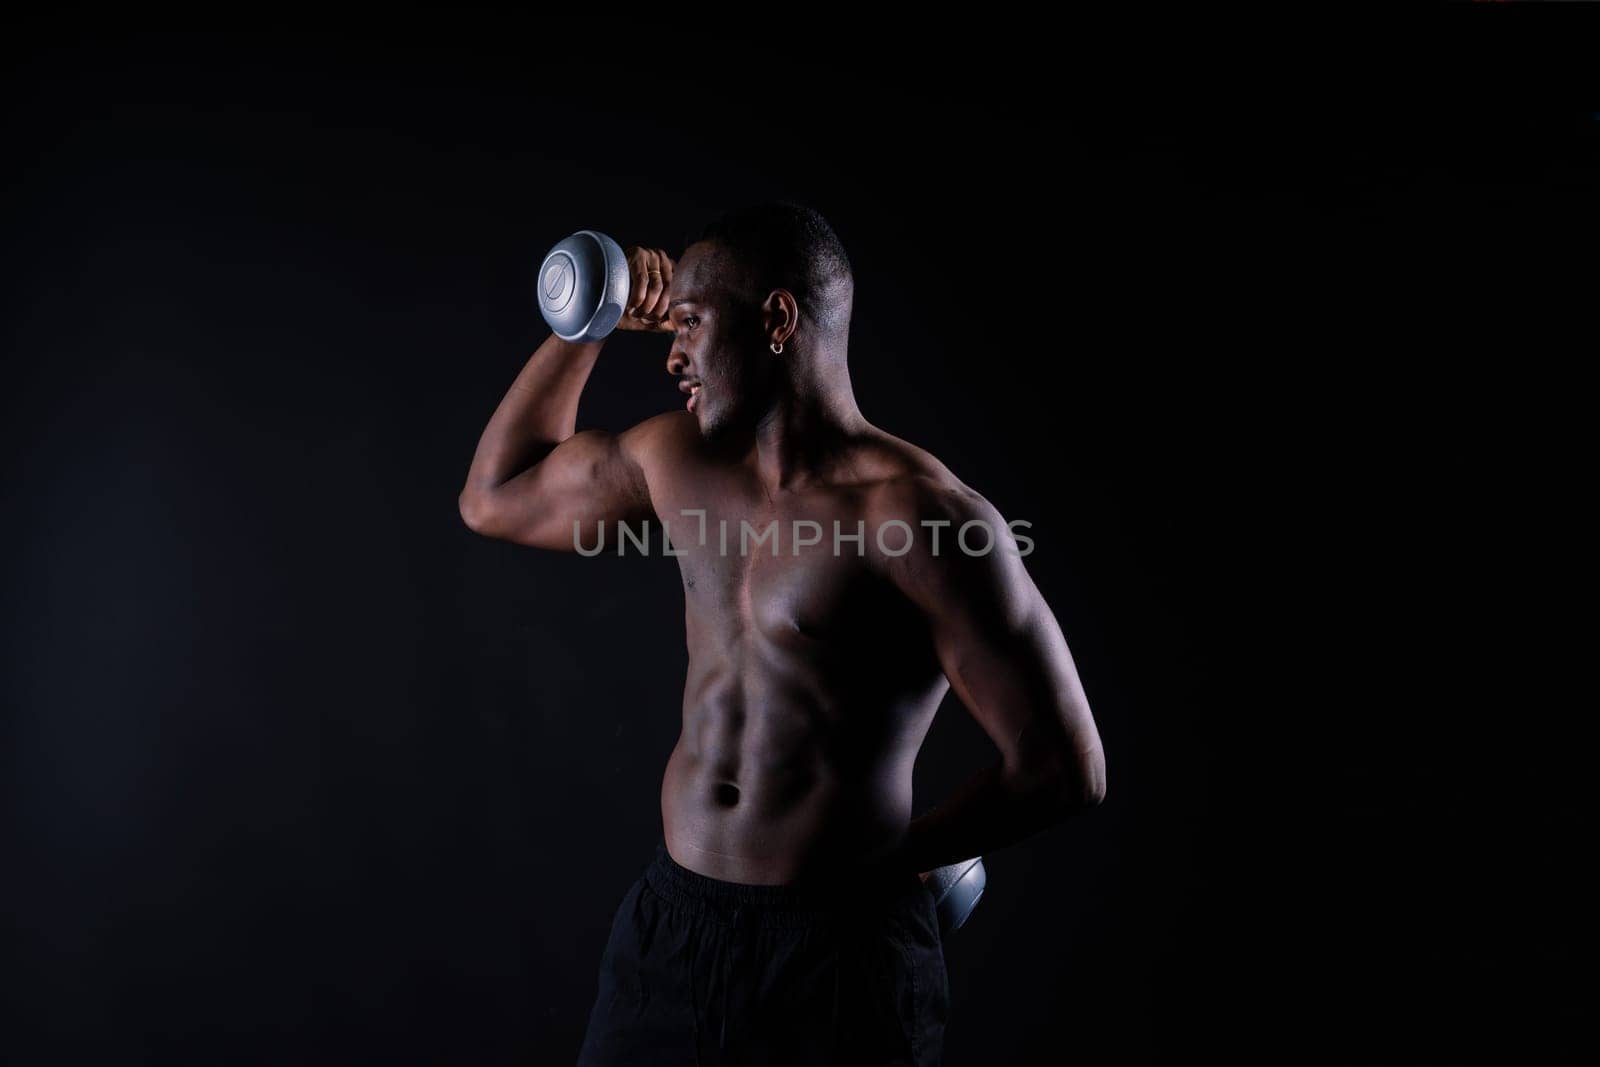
777	348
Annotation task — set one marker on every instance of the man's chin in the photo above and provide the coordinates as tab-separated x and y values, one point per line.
711	428
720	424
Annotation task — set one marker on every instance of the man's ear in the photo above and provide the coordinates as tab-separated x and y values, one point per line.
780	316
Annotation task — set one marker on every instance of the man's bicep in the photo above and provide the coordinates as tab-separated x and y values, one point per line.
586	483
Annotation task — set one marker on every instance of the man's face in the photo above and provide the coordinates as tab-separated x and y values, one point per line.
717	344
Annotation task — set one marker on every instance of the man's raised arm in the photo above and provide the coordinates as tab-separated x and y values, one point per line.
1005	657
532	476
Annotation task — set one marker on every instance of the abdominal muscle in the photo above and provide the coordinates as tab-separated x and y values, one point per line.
808	694
755	796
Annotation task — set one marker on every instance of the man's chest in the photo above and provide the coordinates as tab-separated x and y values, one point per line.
802	569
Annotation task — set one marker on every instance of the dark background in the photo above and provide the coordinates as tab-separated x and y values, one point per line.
298	770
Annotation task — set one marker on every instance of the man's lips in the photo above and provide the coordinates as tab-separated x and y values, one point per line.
690	386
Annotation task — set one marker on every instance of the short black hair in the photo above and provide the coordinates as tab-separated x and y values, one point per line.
783	244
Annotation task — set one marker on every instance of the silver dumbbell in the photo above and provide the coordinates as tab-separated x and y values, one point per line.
956	889
583	286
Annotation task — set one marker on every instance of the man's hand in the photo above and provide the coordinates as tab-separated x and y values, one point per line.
649	274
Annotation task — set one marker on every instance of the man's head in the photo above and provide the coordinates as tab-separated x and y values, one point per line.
773	275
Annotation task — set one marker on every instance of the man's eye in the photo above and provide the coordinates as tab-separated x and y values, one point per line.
691	321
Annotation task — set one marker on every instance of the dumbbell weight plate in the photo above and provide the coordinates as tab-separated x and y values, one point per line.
956	890
583	286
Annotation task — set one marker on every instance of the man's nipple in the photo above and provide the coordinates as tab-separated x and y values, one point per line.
726	794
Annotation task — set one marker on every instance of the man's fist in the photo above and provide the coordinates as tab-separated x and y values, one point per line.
649	274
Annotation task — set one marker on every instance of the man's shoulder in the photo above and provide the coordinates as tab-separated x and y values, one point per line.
665	436
953	548
914	486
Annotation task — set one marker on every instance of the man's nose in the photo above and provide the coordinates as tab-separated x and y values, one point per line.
676	362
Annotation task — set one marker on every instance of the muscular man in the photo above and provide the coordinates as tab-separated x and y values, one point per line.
781	919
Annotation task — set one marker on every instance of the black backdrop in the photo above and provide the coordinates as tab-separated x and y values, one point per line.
299	770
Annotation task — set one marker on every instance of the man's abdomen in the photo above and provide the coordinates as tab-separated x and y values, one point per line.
769	795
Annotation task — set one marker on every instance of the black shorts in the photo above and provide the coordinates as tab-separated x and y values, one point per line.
701	971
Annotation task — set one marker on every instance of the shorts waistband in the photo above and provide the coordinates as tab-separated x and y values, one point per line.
792	904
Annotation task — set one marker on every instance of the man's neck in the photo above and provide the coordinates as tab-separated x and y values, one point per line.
799	437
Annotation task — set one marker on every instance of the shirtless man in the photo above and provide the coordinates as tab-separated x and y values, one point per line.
782	919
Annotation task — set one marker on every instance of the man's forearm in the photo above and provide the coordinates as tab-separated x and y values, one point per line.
538	412
988	812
